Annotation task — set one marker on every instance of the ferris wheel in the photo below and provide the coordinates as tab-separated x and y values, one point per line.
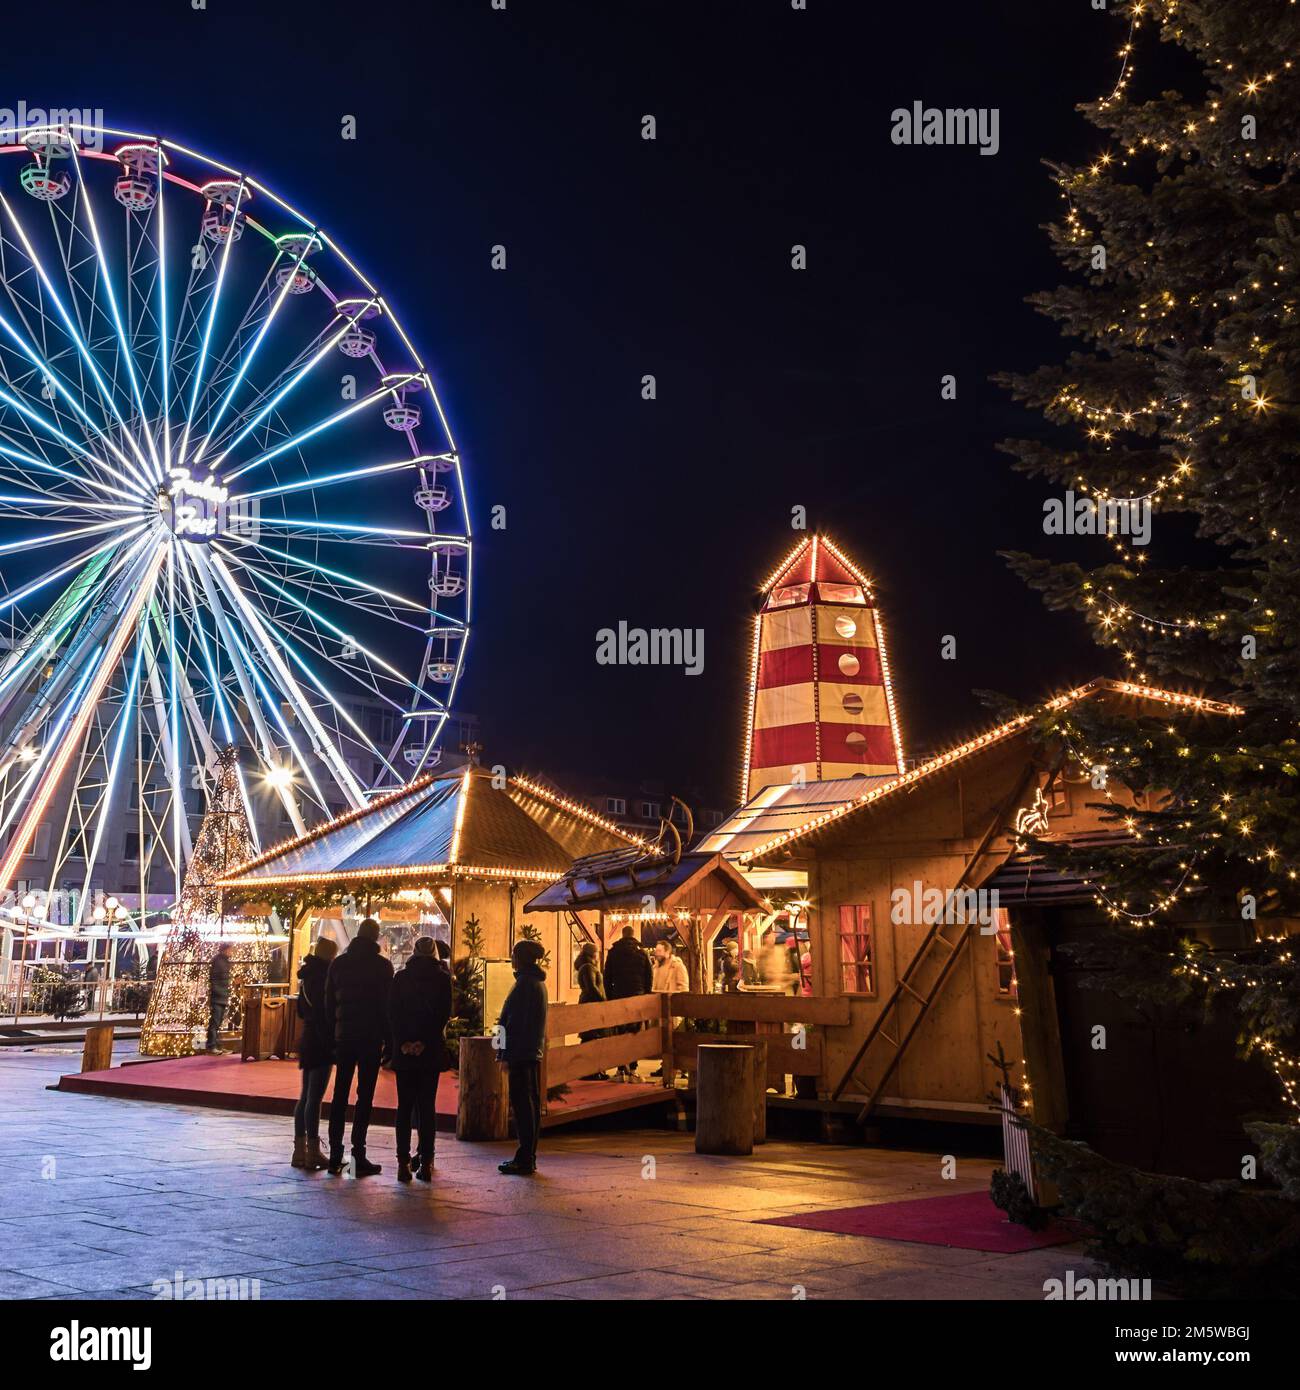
231	513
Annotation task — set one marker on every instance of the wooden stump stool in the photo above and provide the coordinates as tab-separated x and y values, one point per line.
483	1108
724	1099
759	1047
97	1050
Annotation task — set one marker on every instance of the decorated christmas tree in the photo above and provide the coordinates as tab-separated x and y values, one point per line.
178	1008
1177	418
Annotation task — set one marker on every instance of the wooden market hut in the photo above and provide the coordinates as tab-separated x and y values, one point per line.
472	844
945	938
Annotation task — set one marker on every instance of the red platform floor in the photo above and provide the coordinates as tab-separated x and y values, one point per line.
271	1088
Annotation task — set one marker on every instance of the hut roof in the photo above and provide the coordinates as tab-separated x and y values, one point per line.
698	879
450	825
872	791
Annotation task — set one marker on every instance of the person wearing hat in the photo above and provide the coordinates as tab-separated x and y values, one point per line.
522	1036
356	1001
418	1009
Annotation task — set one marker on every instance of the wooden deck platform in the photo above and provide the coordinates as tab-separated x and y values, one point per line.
271	1088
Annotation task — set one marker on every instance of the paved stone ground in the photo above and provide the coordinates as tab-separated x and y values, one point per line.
104	1196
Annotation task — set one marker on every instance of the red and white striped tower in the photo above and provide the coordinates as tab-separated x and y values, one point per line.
820	700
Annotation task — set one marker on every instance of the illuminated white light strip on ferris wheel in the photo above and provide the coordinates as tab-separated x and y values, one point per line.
107	281
218	695
197	377
49	375
115	764
330	478
29	413
160	238
68	742
320	618
174	713
19	594
34	772
327	751
255	420
246	358
304	435
301	522
59	537
83	349
275	707
331	573
282	637
79	503
242	669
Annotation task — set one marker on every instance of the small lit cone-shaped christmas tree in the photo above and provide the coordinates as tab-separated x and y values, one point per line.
178	1007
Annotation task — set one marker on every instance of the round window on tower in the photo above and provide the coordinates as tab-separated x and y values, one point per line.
849	664
852	703
846	627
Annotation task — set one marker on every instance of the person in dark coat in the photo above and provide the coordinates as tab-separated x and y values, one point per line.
356	1003
315	1055
418	1009
218	994
628	972
523	1037
591	990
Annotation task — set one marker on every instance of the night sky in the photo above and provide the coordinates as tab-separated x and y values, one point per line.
776	388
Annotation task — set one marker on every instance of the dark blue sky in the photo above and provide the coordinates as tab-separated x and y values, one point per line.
626	257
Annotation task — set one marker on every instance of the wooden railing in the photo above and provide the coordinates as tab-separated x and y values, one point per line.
568	1061
796	1053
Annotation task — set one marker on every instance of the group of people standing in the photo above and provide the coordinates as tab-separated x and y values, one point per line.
359	1016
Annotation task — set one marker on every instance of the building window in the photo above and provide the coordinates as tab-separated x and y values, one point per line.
615	806
1006	957
856	958
649	810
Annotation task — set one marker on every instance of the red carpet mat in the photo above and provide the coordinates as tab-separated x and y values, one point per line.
271	1088
964	1220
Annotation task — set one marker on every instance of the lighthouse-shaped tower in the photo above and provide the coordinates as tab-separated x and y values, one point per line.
820	700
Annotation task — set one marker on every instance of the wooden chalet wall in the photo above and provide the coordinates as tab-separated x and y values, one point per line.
929	835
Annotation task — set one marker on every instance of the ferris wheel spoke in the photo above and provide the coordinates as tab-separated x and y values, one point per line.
106	279
296	372
251	696
347	638
345	533
280	635
351	581
330	479
101	386
343	774
213	305
124	722
54	381
297	440
247	357
89	689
